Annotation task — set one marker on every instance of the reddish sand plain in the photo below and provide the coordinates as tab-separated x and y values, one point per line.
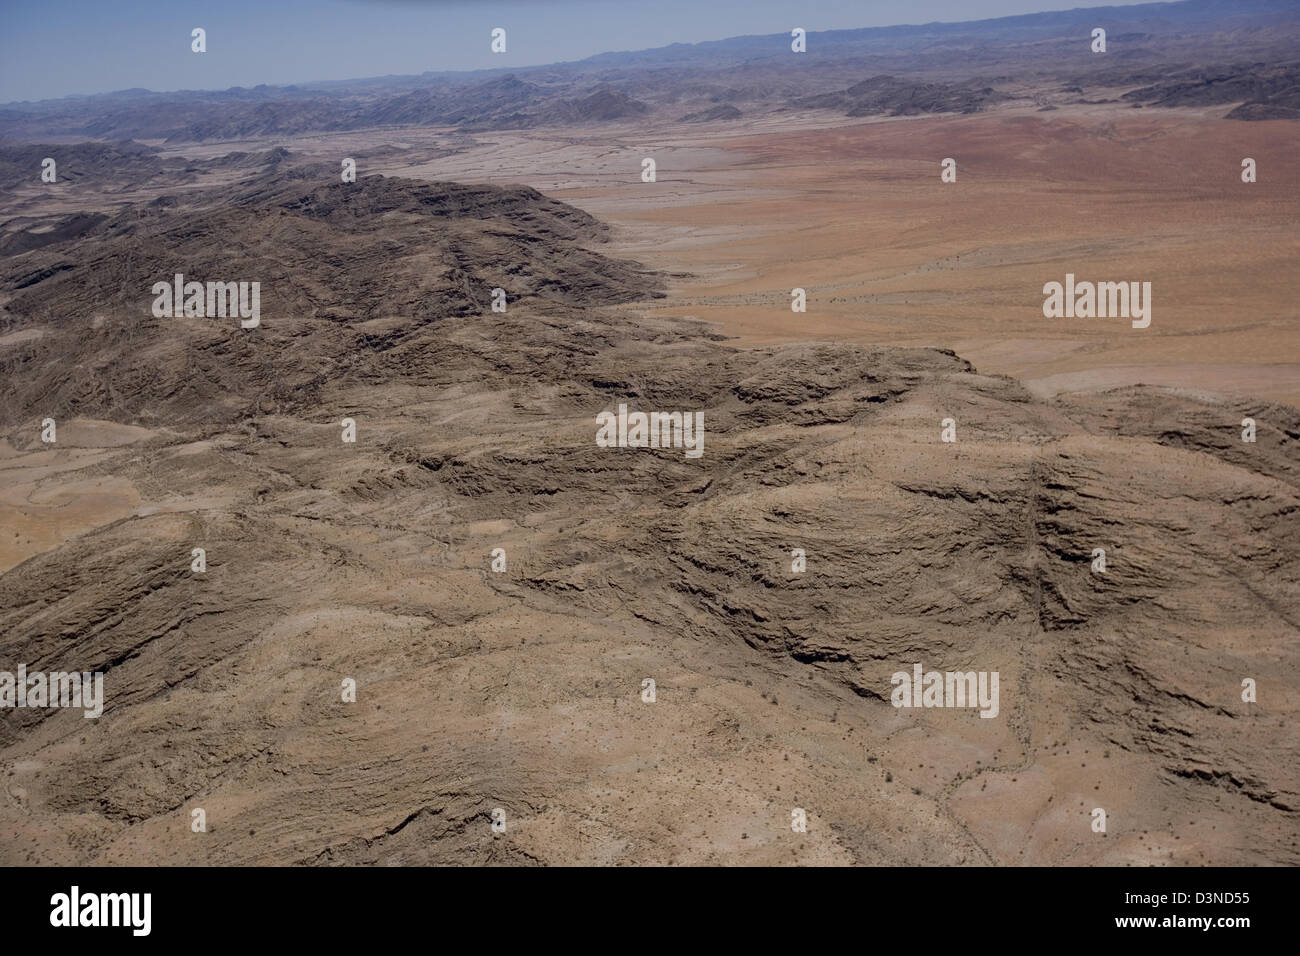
854	212
888	253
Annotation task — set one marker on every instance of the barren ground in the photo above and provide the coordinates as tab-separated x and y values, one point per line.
521	690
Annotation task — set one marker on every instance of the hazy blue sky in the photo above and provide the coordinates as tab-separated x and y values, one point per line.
54	48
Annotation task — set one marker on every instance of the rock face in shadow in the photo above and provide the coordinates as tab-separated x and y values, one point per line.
371	561
892	96
724	112
1263	91
603	106
503	102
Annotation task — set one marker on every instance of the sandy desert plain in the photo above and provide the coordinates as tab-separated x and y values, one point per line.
856	214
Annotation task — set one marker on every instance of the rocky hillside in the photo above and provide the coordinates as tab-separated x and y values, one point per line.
521	688
342	267
894	97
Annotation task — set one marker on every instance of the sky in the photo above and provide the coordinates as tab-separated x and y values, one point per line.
61	47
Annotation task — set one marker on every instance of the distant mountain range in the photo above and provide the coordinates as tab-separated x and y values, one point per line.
1195	53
